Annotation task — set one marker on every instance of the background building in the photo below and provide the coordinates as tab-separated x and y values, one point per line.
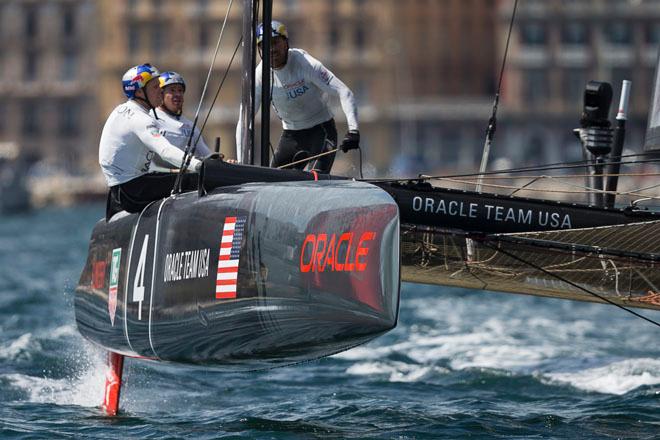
47	79
424	71
556	48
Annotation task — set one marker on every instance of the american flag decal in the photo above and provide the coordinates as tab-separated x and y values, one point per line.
229	257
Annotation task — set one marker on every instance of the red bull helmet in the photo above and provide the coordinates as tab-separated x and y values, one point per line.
137	77
278	30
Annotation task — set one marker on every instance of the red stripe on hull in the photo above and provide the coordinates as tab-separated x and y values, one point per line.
225	295
225	282
228	270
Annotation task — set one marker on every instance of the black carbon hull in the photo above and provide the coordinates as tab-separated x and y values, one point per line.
245	277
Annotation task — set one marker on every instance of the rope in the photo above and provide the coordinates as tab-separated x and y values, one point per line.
307	159
565	176
190	148
548	167
231	61
215	55
583	189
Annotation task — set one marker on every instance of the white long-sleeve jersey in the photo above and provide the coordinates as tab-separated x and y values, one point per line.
176	130
129	143
300	95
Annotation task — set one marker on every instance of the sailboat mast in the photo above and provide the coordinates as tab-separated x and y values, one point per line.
265	81
247	83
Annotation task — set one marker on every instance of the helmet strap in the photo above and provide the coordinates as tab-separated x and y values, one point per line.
146	100
169	112
286	55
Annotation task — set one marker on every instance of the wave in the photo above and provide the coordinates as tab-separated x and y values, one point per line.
618	378
552	351
22	346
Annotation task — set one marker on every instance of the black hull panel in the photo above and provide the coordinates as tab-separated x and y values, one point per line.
245	277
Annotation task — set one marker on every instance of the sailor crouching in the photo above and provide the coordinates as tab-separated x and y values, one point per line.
130	143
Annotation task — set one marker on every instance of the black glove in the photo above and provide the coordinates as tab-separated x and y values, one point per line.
351	141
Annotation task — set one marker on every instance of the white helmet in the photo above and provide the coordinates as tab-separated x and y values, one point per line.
278	30
169	78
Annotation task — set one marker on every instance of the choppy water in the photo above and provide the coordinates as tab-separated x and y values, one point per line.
460	364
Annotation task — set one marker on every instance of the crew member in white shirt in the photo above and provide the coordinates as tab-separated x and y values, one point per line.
130	142
300	85
173	125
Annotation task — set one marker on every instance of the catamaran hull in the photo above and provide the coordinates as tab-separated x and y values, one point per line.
245	278
489	241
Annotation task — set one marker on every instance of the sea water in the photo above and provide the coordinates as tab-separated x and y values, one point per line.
459	364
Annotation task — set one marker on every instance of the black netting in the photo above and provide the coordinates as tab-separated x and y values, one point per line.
620	263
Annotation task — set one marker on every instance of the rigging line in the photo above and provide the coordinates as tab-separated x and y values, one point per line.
511	171
361	176
506	50
582	189
561	165
587	189
215	55
492	122
542	167
538	168
190	149
231	61
547	168
567	281
644	188
563	176
307	159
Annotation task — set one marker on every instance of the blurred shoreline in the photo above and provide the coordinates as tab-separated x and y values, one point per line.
66	190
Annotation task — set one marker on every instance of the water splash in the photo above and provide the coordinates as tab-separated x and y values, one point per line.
83	388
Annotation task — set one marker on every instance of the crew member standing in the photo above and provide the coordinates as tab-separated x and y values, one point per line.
130	142
299	88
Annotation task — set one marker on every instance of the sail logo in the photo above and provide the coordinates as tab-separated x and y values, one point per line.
114	284
344	252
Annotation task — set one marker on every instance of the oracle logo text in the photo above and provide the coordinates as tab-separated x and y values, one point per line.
336	252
